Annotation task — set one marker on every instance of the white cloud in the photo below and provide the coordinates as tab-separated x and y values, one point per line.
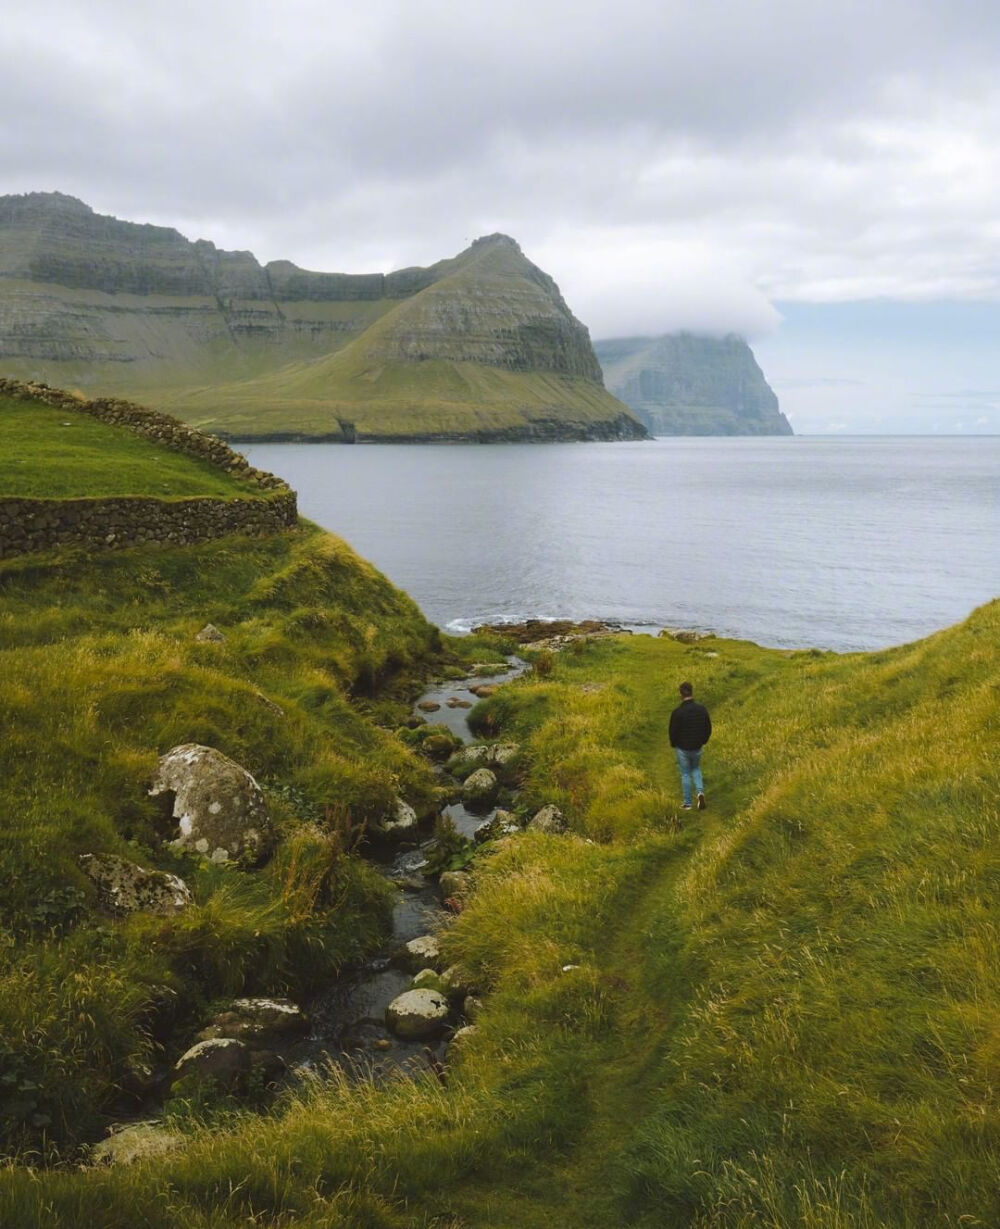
653	285
672	165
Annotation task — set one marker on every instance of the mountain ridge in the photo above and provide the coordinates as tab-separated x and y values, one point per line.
257	351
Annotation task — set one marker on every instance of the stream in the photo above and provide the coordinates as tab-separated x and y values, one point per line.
348	1018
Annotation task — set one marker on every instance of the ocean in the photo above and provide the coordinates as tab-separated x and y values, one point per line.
807	541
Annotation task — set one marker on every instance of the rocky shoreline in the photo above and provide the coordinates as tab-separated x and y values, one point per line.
538	432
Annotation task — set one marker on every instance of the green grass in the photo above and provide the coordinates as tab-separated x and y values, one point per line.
49	453
783	1013
100	673
435	397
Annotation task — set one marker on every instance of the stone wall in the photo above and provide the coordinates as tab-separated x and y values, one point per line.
112	523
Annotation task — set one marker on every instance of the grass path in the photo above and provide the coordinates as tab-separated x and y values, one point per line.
583	1183
766	1060
582	1186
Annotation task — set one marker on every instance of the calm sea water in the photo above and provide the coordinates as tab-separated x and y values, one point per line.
792	542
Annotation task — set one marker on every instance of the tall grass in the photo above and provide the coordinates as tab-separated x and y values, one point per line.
780	1012
100	673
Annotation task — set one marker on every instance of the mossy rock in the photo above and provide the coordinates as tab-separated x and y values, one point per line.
439	746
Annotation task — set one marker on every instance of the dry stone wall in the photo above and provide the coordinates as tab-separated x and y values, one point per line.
28	525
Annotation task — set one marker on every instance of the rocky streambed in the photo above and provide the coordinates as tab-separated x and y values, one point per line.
401	1010
359	1021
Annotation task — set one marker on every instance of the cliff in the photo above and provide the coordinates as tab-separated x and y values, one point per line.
480	346
687	385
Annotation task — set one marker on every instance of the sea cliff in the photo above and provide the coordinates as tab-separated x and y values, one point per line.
683	384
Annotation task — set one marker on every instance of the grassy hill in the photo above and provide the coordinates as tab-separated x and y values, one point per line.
100	674
480	353
49	453
479	346
782	1012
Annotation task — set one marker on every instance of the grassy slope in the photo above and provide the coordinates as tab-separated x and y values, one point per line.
783	1014
50	453
99	674
435	397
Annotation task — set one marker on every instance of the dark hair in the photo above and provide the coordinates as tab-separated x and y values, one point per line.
686	689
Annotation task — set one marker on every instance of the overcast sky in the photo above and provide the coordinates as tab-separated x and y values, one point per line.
806	174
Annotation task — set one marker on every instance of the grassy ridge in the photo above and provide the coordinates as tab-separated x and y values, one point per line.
783	1013
48	453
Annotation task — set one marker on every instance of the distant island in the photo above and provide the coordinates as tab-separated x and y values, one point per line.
684	384
479	347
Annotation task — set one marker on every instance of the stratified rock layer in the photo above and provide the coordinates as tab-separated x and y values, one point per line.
686	385
481	346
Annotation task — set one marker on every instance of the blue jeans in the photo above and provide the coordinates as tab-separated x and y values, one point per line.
689	762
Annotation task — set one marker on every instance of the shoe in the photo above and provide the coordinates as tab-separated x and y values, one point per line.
701	802
685	806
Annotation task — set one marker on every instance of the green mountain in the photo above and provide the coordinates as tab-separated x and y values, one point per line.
481	346
687	385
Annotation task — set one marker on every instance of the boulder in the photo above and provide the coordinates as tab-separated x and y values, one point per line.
548	819
467	756
401	822
125	887
258	1021
219	807
438	746
210	634
462	1034
499	755
139	1141
458	702
220	1060
416	1014
421	952
483	690
428	706
480	788
503	823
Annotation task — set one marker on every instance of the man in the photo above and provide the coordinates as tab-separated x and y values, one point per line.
690	730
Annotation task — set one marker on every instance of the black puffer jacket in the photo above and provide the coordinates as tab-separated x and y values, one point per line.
690	726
